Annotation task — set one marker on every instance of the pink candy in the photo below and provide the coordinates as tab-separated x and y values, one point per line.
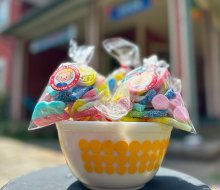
178	110
88	112
162	77
99	80
175	106
160	102
176	101
46	98
126	103
50	119
181	114
90	94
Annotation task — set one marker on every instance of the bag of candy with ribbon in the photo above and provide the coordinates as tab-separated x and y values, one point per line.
128	56
72	91
177	113
134	86
134	94
156	96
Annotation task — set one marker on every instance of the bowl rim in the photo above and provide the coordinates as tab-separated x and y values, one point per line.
100	126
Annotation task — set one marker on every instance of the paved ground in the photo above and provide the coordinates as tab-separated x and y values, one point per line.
208	172
18	158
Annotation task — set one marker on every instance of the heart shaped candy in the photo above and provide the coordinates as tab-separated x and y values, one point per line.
43	109
160	102
181	114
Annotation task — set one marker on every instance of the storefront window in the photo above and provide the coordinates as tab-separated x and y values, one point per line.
2	75
4	13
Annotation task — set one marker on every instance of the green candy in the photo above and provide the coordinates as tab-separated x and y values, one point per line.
147	113
138	107
134	113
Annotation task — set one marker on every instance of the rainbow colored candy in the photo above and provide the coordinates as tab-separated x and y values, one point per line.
145	94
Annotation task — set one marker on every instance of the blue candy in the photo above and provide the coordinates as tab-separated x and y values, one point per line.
79	91
63	96
111	84
148	113
138	107
155	113
51	91
148	97
43	109
170	94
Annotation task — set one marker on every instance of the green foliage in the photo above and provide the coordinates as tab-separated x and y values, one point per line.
3	106
215	176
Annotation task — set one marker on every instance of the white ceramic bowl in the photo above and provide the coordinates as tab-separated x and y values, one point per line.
113	155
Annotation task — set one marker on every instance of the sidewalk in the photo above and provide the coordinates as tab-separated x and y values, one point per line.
201	160
18	158
206	171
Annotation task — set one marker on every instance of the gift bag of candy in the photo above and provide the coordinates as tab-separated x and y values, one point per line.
73	90
149	93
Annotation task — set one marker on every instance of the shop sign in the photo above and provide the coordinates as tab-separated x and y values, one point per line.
128	8
53	40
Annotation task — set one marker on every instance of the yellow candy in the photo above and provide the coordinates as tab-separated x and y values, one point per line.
99	80
87	76
119	76
164	88
174	123
132	119
78	103
68	109
121	92
85	118
104	92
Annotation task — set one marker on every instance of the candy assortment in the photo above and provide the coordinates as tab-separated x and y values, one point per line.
72	92
132	93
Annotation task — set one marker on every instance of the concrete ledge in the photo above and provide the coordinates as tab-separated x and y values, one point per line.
207	150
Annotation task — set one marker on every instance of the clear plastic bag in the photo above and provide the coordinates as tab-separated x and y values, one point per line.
128	56
149	93
146	93
156	96
72	92
118	106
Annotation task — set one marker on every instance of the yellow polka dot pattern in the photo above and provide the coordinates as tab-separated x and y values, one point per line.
121	157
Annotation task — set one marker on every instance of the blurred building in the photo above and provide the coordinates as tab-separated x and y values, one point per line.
184	33
9	11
